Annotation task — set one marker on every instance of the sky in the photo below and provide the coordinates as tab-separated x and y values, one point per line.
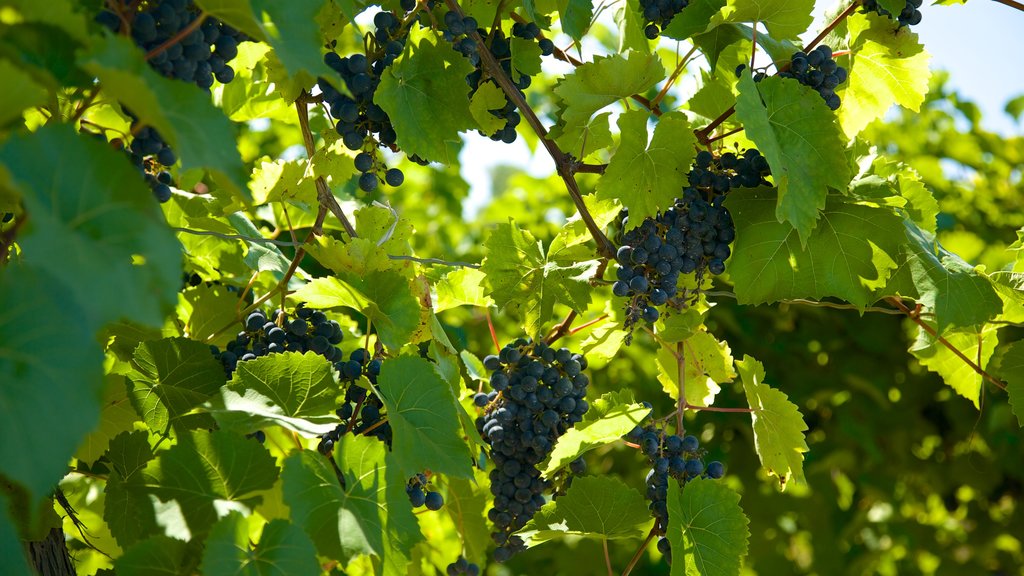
980	43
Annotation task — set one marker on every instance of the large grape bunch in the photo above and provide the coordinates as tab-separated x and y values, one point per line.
539	393
362	124
199	56
658	13
457	31
675	457
690	237
910	15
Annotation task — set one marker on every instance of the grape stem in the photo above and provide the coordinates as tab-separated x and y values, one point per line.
681	372
562	329
704	133
1012	4
563	161
490	326
639	553
915	316
323	193
672	79
177	37
607	558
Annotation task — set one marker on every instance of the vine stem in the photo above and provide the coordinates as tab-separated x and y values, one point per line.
563	162
177	37
1012	4
672	79
916	318
586	325
681	368
562	329
639	552
490	326
702	134
323	193
607	558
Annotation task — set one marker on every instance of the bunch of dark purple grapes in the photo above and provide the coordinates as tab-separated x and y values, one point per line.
670	456
420	493
909	16
309	330
818	70
198	57
462	567
690	237
458	31
362	124
658	13
538	395
362	411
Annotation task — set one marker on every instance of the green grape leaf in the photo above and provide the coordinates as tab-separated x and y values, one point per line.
604	341
597	84
575	16
849	255
522	278
292	390
1011	369
783	18
467	503
976	343
593	507
801	139
463	287
203	310
262	257
198	132
11	548
610	418
281	180
646	178
368	513
210	471
171	377
237	13
488	97
426	96
157	556
778	425
422	412
572	244
20	92
943	283
283	549
584	140
887	67
707	529
127	508
896	184
693	20
75	198
707	364
116	416
526	56
393	310
295	35
629	18
51	378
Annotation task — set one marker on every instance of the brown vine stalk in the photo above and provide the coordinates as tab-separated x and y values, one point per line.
563	162
916	318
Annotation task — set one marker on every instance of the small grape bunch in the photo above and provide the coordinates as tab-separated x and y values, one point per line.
670	456
658	13
420	493
308	330
362	411
461	567
818	70
909	16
